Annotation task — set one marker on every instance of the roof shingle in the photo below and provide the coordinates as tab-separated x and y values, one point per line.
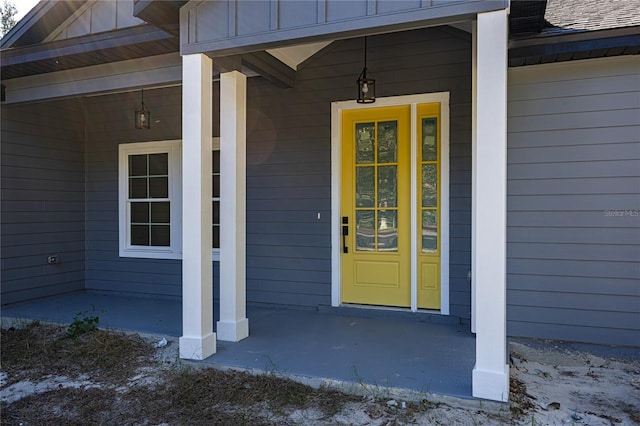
571	16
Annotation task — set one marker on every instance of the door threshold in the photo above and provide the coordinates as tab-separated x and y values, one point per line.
389	308
390	312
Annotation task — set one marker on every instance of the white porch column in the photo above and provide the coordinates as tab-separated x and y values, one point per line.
474	157
198	340
491	372
233	325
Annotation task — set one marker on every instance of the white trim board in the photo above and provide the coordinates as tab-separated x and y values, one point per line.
336	189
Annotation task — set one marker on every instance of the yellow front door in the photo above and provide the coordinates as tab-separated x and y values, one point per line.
376	206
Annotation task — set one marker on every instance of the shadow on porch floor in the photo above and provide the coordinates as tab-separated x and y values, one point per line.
401	351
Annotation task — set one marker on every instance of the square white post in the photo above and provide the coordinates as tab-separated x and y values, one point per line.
474	146
233	325
198	340
491	372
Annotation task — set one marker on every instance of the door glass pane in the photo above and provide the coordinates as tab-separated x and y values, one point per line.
365	186
387	186
429	231
365	137
429	139
429	185
387	142
387	230
160	235
365	230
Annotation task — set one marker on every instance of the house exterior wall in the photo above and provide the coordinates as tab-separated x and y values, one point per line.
288	168
42	212
289	164
110	123
573	255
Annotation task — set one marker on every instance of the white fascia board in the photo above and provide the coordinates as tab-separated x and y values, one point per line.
159	70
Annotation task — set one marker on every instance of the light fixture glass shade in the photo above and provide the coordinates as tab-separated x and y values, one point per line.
143	116
366	88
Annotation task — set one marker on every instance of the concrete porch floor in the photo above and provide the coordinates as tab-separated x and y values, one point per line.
416	352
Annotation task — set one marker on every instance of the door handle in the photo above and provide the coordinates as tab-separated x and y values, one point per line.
345	232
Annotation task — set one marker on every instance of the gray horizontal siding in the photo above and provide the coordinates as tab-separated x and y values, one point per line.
110	124
574	157
288	169
289	164
42	200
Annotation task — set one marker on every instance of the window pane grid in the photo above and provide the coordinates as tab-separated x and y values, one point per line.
149	176
376	186
215	199
148	200
429	172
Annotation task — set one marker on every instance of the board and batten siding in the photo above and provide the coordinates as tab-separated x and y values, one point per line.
42	200
228	27
573	200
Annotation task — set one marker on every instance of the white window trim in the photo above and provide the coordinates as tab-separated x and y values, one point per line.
174	149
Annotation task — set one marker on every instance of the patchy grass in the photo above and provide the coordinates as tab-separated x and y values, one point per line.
37	350
129	385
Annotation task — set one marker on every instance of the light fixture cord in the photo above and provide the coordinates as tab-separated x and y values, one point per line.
365	52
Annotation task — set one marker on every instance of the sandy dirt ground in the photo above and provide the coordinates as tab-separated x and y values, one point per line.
550	385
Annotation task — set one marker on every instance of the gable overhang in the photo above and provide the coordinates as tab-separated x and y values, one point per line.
44	18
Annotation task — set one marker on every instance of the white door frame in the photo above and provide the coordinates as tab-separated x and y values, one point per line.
336	190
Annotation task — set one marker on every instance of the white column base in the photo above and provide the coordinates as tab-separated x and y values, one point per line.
198	348
493	385
232	331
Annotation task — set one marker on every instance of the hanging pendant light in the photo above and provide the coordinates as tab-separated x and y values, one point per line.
366	84
143	116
